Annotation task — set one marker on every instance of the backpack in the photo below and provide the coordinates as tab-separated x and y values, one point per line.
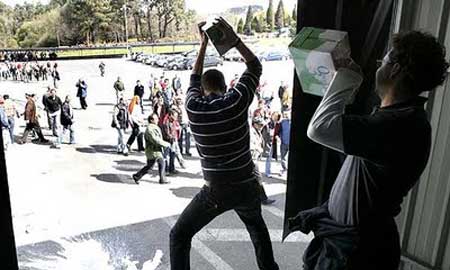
121	119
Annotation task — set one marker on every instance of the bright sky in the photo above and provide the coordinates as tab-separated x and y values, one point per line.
214	6
201	6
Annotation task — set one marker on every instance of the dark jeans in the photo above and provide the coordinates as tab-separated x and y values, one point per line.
141	104
211	202
83	103
136	133
186	136
32	126
149	166
169	156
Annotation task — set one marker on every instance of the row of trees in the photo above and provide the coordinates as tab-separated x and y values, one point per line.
70	22
266	21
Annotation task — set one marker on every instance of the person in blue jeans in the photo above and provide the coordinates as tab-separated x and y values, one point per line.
11	113
285	132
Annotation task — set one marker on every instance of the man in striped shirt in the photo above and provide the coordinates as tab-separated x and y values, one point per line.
219	123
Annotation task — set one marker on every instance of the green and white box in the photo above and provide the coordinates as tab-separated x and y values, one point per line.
315	53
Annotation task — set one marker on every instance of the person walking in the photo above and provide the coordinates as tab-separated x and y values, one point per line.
139	91
386	153
274	127
185	131
121	120
167	93
55	75
67	120
101	67
54	104
154	148
44	103
82	93
219	124
285	132
11	113
171	133
176	84
256	150
4	125
119	88
31	117
136	120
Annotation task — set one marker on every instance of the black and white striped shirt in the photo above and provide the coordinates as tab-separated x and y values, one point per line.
219	124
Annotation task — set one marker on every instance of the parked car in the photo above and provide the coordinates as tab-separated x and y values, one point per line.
134	55
210	61
273	56
155	59
232	55
149	60
139	58
181	63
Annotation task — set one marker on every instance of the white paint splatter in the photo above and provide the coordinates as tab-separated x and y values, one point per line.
90	254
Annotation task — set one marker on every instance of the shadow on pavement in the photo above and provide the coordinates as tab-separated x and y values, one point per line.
86	150
105	149
114	178
185	192
129	162
105	104
129	165
188	175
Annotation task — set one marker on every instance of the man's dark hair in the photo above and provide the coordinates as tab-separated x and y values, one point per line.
150	117
422	59
5	96
214	81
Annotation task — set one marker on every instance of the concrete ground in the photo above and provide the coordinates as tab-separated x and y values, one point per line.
79	203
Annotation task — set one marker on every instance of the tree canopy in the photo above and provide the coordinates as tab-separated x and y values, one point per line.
72	22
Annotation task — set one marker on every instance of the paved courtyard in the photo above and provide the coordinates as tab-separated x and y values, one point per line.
79	203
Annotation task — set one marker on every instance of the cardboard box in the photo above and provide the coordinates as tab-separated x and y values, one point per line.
315	53
216	37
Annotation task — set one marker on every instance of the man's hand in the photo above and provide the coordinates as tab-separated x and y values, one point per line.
348	63
229	35
203	36
198	66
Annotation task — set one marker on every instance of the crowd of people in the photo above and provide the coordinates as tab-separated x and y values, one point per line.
30	71
164	100
24	56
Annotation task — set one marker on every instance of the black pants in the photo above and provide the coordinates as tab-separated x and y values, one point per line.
32	126
136	133
83	103
211	202
149	166
185	135
141	104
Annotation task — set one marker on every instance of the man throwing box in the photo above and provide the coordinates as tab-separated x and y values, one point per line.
219	123
387	152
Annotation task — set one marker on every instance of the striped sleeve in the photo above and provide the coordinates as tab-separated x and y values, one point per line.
249	81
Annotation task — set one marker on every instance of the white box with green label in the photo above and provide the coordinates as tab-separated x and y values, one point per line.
315	53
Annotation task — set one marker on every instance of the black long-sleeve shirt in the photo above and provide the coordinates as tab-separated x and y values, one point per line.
219	124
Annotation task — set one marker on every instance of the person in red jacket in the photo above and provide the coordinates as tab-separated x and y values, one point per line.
171	133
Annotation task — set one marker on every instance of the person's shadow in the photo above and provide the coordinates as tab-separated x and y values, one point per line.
114	178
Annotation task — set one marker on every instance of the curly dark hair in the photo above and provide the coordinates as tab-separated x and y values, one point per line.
422	59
